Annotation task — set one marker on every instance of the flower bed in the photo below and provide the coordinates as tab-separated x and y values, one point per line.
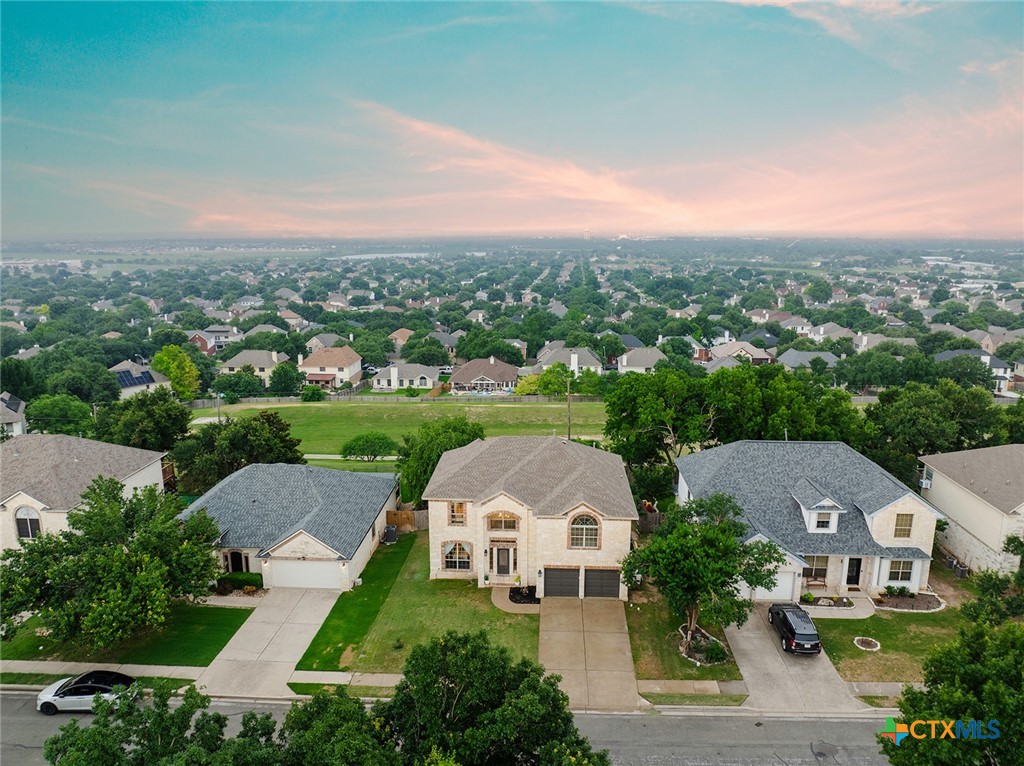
921	602
835	602
704	649
867	644
527	595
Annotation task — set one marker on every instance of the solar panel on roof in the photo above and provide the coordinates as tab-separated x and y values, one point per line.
12	402
146	377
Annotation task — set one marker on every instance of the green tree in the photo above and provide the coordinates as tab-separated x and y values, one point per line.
90	381
480	343
175	363
1013	422
286	379
217	450
151	420
311	393
18	379
420	452
114	573
700	558
369	446
976	677
373	347
426	350
244	383
528	385
333	730
966	371
556	380
461	694
819	291
60	414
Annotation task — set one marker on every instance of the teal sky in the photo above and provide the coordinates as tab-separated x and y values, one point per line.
398	119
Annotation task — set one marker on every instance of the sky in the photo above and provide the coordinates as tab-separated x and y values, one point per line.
750	117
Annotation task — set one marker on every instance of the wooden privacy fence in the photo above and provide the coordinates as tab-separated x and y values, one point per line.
409	520
648	522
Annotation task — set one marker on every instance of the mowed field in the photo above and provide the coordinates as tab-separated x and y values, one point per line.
325	426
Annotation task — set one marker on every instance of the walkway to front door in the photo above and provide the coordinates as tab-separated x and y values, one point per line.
585	641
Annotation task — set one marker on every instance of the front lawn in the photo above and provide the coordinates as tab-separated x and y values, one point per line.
356	610
419	608
374	692
905	637
193	635
654	638
703	700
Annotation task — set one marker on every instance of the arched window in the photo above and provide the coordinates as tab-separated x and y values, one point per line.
583	532
456	556
27	520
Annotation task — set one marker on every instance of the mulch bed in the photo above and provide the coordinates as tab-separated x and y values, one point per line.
922	602
838	602
527	595
701	640
867	644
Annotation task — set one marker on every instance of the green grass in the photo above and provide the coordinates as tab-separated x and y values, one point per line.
45	679
905	638
654	639
193	635
377	466
419	608
325	426
966	586
356	610
706	700
879	700
354	691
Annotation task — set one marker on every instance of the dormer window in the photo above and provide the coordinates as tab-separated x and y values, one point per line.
822	520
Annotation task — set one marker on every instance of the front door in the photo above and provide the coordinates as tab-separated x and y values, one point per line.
236	561
503	568
853	573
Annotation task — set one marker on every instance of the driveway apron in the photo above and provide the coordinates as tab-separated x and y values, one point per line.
777	680
585	641
261	656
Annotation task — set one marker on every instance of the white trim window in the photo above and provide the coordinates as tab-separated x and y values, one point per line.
817	567
584	532
904	525
901	571
457	557
823	521
27	520
503	521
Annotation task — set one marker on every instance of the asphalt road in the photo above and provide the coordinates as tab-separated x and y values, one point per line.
722	738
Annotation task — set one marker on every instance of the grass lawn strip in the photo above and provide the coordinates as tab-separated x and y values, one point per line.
192	636
704	700
876	700
356	610
905	637
377	466
325	426
419	608
45	679
654	639
374	692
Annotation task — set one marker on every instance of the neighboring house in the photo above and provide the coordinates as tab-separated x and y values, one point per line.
797	324
1000	370
289	295
323	340
295	322
271	328
740	351
865	341
576	359
726	362
533	510
484	376
844	523
332	367
262	362
519	344
12	415
791	359
448	341
829	330
640	360
769	340
401	337
403	375
981	492
133	378
297	525
550	347
214	338
44	476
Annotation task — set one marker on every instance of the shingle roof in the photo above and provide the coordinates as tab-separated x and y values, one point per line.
641	357
584	357
12	409
546	473
56	469
333	357
256	357
793	358
763	476
994	474
407	370
262	505
495	369
402	333
326	339
990	359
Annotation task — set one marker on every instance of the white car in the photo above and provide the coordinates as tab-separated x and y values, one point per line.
78	692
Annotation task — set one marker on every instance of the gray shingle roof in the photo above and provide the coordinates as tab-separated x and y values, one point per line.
793	358
264	504
763	476
255	357
12	409
995	474
56	469
546	473
641	357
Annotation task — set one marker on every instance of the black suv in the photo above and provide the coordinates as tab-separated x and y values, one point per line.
795	628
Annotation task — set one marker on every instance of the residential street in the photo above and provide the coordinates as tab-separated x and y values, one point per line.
690	739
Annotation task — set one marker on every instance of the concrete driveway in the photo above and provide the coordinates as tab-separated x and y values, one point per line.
783	682
261	656
585	641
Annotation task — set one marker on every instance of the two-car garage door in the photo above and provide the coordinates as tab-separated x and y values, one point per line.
287	573
597	583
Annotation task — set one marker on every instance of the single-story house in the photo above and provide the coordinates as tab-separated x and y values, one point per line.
576	359
12	414
791	359
484	376
640	360
403	375
844	524
739	349
981	492
44	476
297	525
262	363
332	367
532	510
133	378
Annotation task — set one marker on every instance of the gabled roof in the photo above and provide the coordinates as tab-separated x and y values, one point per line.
272	328
991	360
130	374
548	474
491	368
326	339
256	357
584	357
994	474
402	334
764	476
262	505
332	357
56	469
12	409
407	370
793	358
641	357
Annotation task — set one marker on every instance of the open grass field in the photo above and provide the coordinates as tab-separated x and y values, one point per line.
905	637
325	426
193	635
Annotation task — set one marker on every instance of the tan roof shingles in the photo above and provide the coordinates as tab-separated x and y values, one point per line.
546	473
56	469
491	368
994	474
332	357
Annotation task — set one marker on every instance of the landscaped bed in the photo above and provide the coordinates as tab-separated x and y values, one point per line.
193	635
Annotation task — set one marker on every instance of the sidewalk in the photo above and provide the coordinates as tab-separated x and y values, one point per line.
74	668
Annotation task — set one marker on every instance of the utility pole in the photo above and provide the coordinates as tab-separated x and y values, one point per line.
568	408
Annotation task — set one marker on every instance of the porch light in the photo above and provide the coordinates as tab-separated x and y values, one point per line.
540	573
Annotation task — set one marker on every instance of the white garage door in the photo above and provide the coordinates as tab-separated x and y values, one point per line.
783	590
305	574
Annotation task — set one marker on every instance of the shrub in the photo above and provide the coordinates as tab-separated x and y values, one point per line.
240	579
231	398
312	394
411	392
715	652
807	598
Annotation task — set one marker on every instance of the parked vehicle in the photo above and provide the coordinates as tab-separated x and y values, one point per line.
796	631
77	693
446	369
